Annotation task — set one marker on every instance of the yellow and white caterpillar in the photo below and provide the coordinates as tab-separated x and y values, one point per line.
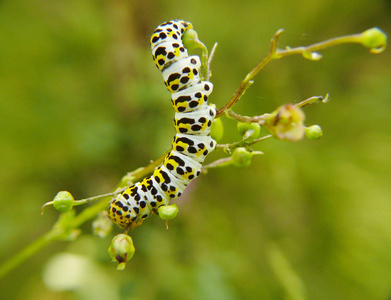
192	122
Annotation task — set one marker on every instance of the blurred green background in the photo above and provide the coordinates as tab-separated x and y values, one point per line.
81	104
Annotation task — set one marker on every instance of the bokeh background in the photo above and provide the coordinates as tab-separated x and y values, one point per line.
81	104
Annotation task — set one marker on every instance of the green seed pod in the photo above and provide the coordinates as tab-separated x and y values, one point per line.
63	201
217	129
121	249
313	132
241	157
375	39
249	131
168	211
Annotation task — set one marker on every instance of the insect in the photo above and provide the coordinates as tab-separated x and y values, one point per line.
192	141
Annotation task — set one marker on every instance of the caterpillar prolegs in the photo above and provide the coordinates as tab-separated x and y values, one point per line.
192	122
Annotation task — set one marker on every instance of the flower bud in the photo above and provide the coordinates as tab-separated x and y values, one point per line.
314	56
168	211
313	132
375	39
102	225
190	40
121	249
63	201
242	157
217	129
250	131
286	123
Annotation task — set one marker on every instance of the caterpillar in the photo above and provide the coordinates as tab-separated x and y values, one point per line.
192	122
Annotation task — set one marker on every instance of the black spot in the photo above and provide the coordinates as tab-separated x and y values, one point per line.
175	87
157	179
170	55
186	140
193	104
175	45
181	109
153	204
206	152
160	51
184	80
160	62
209	123
144	216
113	209
136	210
170	166
153	191
180	149
193	61
198	94
182	99
186	121
191	177
195	72
180	171
192	150
142	204
196	127
172	188
183	130
173	77
182	49
172	196
206	87
126	196
189	169
166	177
118	212
162	35
174	36
119	204
134	219
202	120
125	208
186	70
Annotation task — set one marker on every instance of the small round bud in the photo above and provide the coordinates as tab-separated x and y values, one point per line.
217	129
286	123
121	249
168	211
375	39
241	157
250	131
63	201
313	132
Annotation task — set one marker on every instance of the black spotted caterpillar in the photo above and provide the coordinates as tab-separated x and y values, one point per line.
193	119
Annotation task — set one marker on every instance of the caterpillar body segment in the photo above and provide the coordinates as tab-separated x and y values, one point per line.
192	122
